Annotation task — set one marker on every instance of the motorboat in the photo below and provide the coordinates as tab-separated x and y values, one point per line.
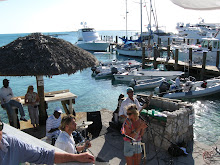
133	49
142	74
107	69
88	39
146	83
196	89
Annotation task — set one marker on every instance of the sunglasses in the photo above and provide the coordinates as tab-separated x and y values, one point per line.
1	126
130	92
129	114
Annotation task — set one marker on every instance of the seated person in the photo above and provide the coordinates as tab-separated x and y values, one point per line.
53	123
177	82
204	84
188	86
65	140
7	102
14	151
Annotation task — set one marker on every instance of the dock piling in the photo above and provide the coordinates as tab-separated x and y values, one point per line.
155	58
203	65
176	59
168	52
190	57
143	57
217	59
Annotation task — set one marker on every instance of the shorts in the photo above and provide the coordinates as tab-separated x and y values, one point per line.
130	150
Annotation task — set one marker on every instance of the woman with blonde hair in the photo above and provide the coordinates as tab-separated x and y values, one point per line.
32	101
133	129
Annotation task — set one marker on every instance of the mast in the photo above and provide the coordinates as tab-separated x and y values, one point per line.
141	22
150	25
126	19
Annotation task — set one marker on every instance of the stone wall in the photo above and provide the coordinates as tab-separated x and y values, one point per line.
177	128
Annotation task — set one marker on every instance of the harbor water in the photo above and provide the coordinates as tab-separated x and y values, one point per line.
96	94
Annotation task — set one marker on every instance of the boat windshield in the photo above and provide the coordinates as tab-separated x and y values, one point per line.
88	30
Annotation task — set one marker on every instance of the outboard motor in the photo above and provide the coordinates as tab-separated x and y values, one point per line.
114	70
164	86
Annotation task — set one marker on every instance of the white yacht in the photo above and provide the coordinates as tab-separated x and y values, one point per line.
88	39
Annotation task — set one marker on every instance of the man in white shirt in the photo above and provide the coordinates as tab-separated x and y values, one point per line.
65	139
129	100
7	102
52	124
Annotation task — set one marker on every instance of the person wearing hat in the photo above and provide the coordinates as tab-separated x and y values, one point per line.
129	100
7	102
15	151
52	124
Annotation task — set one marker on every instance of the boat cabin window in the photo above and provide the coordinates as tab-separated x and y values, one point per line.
215	44
88	30
205	44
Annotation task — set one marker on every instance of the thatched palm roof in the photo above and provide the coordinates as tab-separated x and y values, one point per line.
38	54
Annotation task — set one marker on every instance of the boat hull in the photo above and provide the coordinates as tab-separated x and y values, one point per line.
200	92
93	46
133	53
141	75
148	83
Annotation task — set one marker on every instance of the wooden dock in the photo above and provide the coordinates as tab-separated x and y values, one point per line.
199	71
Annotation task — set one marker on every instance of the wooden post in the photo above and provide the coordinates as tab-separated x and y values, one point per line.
143	57
190	57
203	66
111	48
217	59
184	40
101	37
42	107
155	58
168	42
176	59
188	41
168	53
116	39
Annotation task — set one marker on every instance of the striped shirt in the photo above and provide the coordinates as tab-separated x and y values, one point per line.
52	123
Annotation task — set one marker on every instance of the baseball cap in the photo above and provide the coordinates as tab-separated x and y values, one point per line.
5	80
58	109
130	89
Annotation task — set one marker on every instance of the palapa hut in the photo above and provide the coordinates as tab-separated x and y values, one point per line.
40	55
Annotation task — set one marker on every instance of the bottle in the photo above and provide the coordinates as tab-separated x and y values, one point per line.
153	112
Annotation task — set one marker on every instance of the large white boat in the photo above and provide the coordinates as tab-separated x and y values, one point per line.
88	39
146	74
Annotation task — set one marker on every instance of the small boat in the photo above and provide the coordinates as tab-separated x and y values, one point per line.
146	74
146	83
88	39
105	70
196	89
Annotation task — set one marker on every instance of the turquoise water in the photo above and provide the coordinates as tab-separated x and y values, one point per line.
93	95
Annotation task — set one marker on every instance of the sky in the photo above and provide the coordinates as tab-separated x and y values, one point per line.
27	16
